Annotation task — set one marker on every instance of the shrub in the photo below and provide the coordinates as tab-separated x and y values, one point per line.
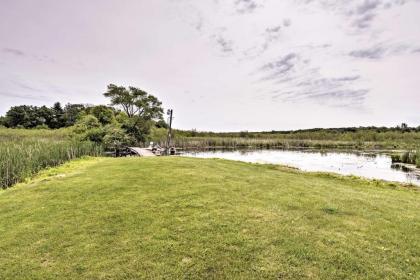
115	139
405	157
396	158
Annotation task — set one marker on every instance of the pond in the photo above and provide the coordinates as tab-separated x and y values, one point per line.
367	165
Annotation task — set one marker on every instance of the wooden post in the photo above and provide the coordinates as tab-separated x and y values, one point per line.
168	144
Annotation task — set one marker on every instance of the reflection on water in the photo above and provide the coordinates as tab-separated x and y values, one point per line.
375	166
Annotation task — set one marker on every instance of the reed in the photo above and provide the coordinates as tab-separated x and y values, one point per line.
358	139
262	143
410	157
23	153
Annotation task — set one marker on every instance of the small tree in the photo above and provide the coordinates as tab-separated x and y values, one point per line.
116	139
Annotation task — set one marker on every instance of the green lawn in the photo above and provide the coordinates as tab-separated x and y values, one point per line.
202	218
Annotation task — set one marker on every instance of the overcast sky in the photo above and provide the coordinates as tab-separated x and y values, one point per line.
220	64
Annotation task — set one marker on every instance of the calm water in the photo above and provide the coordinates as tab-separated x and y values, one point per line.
365	165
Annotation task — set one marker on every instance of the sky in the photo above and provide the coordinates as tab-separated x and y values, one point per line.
221	65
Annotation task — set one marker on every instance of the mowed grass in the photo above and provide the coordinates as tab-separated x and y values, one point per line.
189	218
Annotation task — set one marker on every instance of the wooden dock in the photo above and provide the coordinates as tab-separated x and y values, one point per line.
142	152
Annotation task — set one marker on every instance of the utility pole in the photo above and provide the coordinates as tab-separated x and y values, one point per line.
168	144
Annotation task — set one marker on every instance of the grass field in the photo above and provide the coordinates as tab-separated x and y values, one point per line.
155	218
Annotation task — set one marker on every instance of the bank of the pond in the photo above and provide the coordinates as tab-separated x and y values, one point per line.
174	217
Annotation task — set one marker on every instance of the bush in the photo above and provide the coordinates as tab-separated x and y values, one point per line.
85	123
116	138
405	157
396	158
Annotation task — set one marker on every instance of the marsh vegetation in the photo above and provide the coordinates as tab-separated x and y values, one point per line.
25	152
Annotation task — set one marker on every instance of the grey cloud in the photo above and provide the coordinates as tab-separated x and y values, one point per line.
355	95
273	30
368	6
25	86
366	12
278	69
271	34
381	50
361	16
287	22
347	79
226	46
334	98
372	53
199	24
329	83
25	96
17	52
299	82
245	6
13	51
364	21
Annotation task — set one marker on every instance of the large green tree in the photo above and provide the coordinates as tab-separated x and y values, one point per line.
135	102
141	108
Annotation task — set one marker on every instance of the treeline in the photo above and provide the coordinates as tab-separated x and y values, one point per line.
313	131
57	116
25	116
399	137
130	119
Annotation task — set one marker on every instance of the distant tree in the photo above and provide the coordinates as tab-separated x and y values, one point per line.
20	116
161	124
2	121
72	112
42	116
244	133
57	120
193	132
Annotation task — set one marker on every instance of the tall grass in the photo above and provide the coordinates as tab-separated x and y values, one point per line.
410	157
23	153
237	142
267	143
359	139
